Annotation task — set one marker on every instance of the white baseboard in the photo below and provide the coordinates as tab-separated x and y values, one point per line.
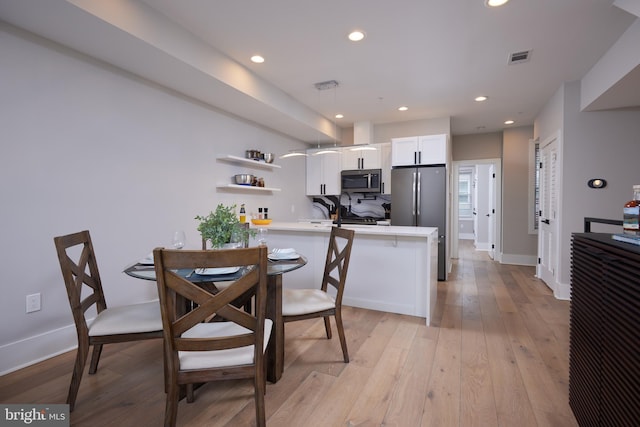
562	291
26	352
466	236
530	260
483	246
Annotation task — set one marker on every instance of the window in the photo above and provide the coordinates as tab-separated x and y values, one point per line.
465	206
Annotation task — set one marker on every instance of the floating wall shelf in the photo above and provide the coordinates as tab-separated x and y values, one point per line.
246	188
248	162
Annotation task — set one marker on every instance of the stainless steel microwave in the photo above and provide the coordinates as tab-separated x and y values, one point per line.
362	180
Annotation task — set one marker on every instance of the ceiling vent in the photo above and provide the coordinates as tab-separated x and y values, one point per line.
519	57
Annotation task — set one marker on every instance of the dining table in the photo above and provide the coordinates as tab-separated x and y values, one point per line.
144	269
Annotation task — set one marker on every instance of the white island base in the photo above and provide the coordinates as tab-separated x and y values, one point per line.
392	269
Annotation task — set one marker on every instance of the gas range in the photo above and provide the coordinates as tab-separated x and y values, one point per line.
358	220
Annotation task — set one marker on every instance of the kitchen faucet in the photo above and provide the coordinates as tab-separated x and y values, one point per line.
339	210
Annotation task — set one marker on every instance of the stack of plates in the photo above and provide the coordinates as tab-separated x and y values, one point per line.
283	254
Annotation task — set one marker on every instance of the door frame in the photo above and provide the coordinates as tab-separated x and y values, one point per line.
497	191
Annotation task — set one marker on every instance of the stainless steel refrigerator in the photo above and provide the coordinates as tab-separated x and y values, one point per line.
418	198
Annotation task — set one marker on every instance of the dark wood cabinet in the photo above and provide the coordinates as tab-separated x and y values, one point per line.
604	353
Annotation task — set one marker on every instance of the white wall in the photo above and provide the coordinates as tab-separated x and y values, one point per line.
603	144
519	247
385	131
86	146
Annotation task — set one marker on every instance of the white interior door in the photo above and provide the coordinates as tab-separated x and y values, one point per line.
496	190
492	211
474	200
548	221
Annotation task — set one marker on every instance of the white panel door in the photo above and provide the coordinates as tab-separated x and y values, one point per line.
547	223
492	211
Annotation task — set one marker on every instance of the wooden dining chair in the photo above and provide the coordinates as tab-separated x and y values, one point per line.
301	304
110	325
218	286
198	348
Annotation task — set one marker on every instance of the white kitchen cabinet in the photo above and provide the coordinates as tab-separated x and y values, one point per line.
361	157
323	173
385	164
419	150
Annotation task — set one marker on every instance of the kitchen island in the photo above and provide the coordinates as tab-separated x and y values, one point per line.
392	269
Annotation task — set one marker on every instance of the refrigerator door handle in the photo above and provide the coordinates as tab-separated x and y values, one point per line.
413	199
419	177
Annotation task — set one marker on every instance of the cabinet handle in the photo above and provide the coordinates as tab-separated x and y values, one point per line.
415	157
419	157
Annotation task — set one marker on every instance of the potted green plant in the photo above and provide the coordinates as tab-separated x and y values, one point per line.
219	226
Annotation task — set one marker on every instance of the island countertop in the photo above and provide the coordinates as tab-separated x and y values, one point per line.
324	227
392	268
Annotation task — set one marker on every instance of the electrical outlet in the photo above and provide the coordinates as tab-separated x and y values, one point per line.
33	303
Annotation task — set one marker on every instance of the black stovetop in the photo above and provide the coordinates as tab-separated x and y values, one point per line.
358	220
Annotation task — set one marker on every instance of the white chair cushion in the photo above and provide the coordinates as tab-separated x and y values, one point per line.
304	301
127	319
220	358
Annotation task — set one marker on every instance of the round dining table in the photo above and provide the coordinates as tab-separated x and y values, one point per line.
275	271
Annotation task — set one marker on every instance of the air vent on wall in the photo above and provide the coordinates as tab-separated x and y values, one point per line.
519	57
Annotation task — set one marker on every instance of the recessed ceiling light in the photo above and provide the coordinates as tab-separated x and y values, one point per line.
481	98
509	122
494	3
339	116
403	108
356	36
257	59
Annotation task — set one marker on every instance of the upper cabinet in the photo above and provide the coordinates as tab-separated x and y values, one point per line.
323	173
419	150
385	156
323	170
363	157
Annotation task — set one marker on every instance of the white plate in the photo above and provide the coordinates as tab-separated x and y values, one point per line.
283	251
216	271
279	256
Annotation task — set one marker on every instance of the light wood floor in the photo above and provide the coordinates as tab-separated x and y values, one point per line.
496	355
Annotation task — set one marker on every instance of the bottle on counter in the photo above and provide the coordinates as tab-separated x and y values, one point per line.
266	213
631	217
260	214
243	214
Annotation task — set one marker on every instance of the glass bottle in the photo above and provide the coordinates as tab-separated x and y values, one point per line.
243	214
260	214
631	217
266	213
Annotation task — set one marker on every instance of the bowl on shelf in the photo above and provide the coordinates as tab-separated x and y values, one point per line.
268	157
261	221
243	179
